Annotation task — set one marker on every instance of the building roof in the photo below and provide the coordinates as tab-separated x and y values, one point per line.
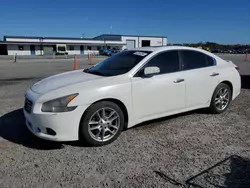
55	40
68	43
119	35
39	37
107	39
77	38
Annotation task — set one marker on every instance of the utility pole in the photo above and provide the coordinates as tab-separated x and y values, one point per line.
41	47
104	42
110	29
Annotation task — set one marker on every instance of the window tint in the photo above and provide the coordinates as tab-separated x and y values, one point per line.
119	63
210	60
194	60
167	62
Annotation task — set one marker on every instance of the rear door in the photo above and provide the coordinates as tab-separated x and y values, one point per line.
201	77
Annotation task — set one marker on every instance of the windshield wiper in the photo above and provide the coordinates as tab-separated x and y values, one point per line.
86	70
97	73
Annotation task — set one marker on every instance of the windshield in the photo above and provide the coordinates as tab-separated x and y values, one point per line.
119	63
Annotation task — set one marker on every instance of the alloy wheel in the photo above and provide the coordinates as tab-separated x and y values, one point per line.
104	124
222	98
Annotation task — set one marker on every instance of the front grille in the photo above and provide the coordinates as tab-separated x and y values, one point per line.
28	105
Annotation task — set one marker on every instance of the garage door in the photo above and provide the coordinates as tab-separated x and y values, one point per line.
130	44
47	50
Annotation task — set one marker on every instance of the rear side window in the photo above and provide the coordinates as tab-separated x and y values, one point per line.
210	61
194	60
168	62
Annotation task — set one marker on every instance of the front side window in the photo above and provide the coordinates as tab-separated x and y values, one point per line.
119	63
193	59
168	62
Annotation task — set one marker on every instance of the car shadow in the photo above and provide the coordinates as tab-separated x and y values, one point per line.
13	129
245	81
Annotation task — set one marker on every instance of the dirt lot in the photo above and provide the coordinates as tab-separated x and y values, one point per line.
160	153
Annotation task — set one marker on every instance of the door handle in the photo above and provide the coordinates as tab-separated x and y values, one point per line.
214	74
179	80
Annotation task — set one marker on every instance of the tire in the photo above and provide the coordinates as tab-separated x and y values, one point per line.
214	105
94	137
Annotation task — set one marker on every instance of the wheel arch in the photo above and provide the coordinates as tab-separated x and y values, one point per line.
117	102
227	82
212	105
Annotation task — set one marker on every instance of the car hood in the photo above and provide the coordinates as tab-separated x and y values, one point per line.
62	80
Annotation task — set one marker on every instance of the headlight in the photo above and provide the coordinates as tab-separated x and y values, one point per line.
59	104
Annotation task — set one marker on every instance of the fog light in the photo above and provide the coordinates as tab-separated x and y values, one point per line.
50	131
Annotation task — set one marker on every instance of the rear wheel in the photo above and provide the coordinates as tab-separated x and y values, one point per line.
221	99
101	124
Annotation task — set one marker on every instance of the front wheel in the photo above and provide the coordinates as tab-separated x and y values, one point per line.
101	124
221	99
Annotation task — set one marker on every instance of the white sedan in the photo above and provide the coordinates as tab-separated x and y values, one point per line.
94	105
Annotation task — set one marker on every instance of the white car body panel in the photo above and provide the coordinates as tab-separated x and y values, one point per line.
144	98
199	91
157	95
62	80
229	73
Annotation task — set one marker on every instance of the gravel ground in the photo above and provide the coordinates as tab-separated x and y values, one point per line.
159	153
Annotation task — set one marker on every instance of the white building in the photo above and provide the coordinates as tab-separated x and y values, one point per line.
133	41
23	45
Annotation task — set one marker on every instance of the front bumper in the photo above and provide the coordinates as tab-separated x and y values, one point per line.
55	126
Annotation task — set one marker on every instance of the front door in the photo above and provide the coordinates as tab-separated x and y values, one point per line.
161	94
81	49
201	77
32	50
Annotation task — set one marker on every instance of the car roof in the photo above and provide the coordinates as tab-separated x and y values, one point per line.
157	49
161	48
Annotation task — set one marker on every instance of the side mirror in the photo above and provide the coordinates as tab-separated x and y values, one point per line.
150	71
